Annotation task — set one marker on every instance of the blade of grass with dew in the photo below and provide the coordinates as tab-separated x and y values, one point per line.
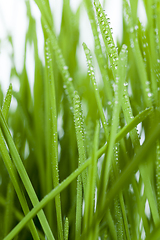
91	187
23	174
116	202
158	174
54	138
80	136
10	167
68	85
48	132
107	37
78	226
143	169
82	159
98	51
66	229
97	96
115	120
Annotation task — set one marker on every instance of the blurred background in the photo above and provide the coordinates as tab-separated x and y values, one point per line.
14	23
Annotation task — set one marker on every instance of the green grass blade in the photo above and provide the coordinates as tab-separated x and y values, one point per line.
98	51
53	138
10	167
115	121
107	37
23	174
91	186
66	229
97	96
80	136
48	198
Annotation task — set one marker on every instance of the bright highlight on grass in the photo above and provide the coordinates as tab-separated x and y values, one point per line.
79	180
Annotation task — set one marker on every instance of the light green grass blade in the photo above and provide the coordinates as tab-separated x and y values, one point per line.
98	51
91	187
52	135
107	37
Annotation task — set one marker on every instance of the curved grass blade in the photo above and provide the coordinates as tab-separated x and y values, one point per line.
7	102
10	167
23	174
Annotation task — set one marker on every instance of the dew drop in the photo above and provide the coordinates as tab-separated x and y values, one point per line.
65	67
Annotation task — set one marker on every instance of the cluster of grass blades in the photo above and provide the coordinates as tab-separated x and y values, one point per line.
74	164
